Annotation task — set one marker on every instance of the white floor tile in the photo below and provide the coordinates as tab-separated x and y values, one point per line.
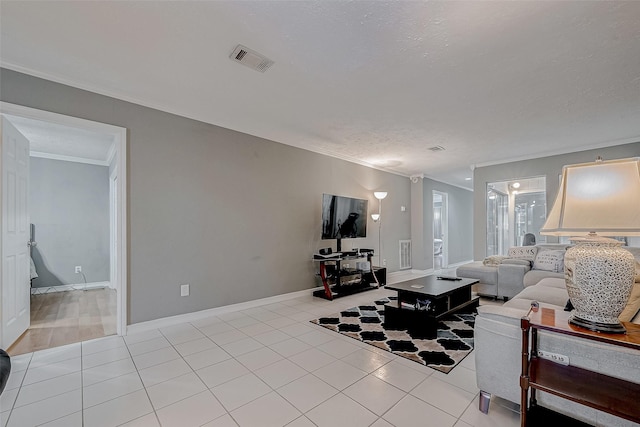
271	337
381	422
100	358
498	416
307	392
7	399
411	411
216	328
280	322
259	358
223	421
339	408
442	395
15	379
312	359
195	346
118	411
101	344
111	389
149	420
339	374
175	389
316	338
399	375
460	377
73	420
227	337
297	329
206	358
164	371
157	357
148	346
242	346
242	322
191	412
339	347
301	422
289	347
256	329
366	360
267	411
207	321
222	372
374	394
182	334
240	391
142	336
280	373
49	388
46	410
107	371
55	354
20	362
52	370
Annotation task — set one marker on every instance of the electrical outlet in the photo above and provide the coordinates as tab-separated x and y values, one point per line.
184	290
554	357
384	262
78	269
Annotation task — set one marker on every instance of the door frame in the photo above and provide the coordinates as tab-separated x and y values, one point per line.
120	156
444	215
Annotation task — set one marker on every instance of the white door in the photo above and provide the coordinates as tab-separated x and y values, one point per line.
15	285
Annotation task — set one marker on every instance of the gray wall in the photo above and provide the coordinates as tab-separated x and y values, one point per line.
460	221
69	207
236	216
550	167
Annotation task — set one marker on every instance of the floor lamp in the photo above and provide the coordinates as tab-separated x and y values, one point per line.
377	218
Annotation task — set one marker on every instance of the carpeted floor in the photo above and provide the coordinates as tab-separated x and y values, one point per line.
453	343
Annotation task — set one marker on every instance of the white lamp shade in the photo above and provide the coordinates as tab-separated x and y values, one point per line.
380	194
601	197
375	217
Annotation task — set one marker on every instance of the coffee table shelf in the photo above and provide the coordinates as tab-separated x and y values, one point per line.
445	297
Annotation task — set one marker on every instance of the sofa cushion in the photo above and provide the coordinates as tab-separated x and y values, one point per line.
553	282
549	261
523	252
524	304
517	261
475	270
534	276
544	294
633	305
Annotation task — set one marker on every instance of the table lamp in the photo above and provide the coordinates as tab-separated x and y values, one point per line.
601	198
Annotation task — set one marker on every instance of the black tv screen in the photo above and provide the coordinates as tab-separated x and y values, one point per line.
343	217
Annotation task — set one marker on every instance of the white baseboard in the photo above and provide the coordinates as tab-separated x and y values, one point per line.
74	287
197	315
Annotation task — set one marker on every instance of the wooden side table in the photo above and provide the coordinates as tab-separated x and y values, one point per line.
608	394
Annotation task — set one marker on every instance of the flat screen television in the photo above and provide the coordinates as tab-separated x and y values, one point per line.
343	217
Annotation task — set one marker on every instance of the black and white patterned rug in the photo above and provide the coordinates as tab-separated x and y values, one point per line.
453	343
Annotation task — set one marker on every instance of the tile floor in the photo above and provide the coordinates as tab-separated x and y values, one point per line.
265	366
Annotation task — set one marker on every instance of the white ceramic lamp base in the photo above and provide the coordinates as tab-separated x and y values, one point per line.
599	276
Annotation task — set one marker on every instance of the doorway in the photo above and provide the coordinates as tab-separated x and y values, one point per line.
440	228
104	291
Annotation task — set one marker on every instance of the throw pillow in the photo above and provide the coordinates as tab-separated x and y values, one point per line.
633	305
493	260
523	252
549	261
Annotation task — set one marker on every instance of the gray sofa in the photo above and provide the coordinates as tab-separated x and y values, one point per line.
498	351
504	277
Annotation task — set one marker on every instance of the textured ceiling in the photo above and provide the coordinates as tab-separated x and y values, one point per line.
374	82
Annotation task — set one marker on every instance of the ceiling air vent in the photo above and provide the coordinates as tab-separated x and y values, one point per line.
251	59
436	148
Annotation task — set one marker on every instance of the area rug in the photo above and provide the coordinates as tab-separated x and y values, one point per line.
453	343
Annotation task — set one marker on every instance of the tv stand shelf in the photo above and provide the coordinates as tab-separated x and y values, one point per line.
338	282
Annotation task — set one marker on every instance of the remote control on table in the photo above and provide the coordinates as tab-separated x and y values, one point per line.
448	278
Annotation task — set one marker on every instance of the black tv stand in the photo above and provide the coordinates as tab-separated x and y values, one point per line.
338	281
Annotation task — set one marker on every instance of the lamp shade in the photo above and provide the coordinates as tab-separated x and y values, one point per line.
380	194
601	197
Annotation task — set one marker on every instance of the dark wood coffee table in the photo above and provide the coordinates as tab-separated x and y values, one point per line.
444	297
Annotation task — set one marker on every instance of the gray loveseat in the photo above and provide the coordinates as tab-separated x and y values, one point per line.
498	349
504	277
